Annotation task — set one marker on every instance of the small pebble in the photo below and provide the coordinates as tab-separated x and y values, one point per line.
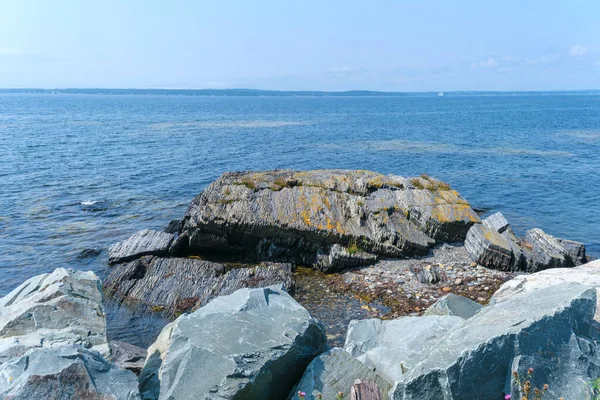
480	299
458	282
447	289
473	264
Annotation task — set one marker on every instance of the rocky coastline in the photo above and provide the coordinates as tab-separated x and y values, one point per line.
280	283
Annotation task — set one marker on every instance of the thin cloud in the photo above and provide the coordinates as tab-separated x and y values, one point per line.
489	63
578	50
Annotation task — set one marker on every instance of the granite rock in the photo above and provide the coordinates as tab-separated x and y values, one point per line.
391	348
141	243
292	216
456	305
549	329
65	373
333	372
177	285
252	344
53	309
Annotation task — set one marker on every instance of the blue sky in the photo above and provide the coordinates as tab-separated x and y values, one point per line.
301	45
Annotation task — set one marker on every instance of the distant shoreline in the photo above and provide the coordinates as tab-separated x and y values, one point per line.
296	93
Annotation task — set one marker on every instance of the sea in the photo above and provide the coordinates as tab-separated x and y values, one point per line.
79	172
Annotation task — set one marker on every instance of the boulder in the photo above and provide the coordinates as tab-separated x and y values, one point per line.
54	309
393	347
65	373
292	216
340	258
176	285
127	356
142	243
456	305
489	248
252	344
333	372
587	274
549	329
493	244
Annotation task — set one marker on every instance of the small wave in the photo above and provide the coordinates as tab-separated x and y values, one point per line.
95	205
227	124
583	135
88	202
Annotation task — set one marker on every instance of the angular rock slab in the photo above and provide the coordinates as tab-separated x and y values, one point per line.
546	251
127	356
489	248
252	344
587	274
393	347
142	243
292	216
65	373
456	305
55	309
549	330
177	285
333	372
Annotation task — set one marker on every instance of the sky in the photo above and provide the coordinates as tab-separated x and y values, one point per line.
394	45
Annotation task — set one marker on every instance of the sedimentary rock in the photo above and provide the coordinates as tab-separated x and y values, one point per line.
489	248
393	347
142	243
295	216
127	356
65	373
452	304
333	372
587	274
176	285
252	344
493	244
55	309
340	258
549	330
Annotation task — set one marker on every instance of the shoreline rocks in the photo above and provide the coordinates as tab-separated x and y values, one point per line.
493	244
173	286
292	216
143	243
54	309
252	344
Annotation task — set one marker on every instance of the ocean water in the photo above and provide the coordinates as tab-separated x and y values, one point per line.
84	171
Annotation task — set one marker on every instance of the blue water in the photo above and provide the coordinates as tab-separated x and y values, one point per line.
83	171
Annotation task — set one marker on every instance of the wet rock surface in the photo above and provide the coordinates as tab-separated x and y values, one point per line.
53	309
296	216
275	339
142	243
172	286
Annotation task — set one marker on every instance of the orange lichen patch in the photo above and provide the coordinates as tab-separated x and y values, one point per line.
329	226
453	212
338	228
494	237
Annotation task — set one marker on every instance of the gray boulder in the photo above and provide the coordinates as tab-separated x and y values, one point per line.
340	258
493	244
127	356
549	330
55	309
292	216
333	372
176	285
456	305
65	373
142	243
252	344
393	347
587	274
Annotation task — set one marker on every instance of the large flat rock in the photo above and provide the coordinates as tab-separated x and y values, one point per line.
176	285
456	305
549	329
55	309
293	216
142	243
336	371
393	347
65	373
252	344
